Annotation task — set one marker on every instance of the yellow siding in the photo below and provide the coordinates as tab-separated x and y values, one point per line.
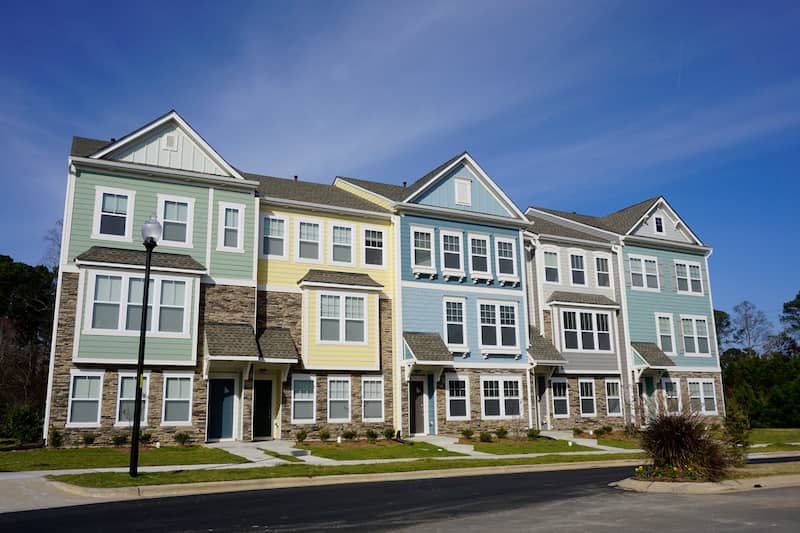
366	195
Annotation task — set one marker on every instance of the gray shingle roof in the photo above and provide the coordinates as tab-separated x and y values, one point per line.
544	226
427	346
102	254
617	222
652	354
310	192
84	146
542	349
230	340
277	343
580	298
339	278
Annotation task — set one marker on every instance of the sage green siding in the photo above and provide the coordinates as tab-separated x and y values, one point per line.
226	264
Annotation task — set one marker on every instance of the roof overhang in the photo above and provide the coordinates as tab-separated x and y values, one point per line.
123	266
310	206
466	216
322	285
578	304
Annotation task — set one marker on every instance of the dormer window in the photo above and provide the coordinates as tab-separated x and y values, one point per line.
659	222
463	191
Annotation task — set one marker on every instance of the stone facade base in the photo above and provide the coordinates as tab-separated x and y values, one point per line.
575	417
646	407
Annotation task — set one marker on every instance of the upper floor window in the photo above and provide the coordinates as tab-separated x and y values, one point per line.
506	258
479	255
176	220
341	244
342	318
498	325
577	269
695	335
422	244
452	256
454	322
551	267
665	335
601	268
308	240
463	191
688	276
586	331
659	222
273	242
113	214
373	247
644	272
231	227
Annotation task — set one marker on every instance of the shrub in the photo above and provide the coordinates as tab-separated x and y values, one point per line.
607	429
23	423
88	439
501	432
467	433
736	436
485	436
371	435
120	439
682	441
533	434
389	433
349	434
301	435
145	438
182	438
631	430
56	439
599	432
324	435
576	431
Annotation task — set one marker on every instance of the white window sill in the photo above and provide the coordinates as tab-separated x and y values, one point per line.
129	425
339	421
423	271
706	355
457	418
645	289
342	343
230	250
82	425
175	244
689	293
561	416
373	420
118	238
303	422
614	415
458	349
504	417
492	350
175	424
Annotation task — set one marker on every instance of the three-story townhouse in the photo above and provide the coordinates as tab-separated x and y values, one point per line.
462	293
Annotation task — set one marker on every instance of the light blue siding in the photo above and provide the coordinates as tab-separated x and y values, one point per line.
443	194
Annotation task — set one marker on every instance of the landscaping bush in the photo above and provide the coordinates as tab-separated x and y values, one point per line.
599	432
56	439
301	435
607	429
371	435
349	434
182	438
533	434
389	433
736	436
577	432
631	430
23	424
501	432
485	436
120	439
324	435
88	439
145	438
676	442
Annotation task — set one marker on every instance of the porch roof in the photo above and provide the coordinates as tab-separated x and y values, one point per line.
652	354
277	343
230	340
427	347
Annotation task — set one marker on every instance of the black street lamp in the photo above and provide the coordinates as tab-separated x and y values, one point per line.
151	231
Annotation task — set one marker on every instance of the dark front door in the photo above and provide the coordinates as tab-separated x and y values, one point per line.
262	409
416	395
220	408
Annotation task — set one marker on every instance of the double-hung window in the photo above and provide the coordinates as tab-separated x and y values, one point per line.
505	252
126	397
457	397
587	331
342	244
613	398
695	335
273	239
422	244
577	269
452	256
176	220
113	214
551	267
342	318
308	240
171	309
372	399
672	397
702	397
454	322
231	227
501	397
85	391
559	390
303	399
338	398
644	273
659	224
587	398
106	306
479	257
665	334
373	247
602	271
498	325
177	406
688	277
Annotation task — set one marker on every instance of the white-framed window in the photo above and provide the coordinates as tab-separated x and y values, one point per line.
457	396
688	277
659	225
308	241
695	335
602	270
560	393
501	397
577	268
116	305
672	395
452	252
613	398
505	252
374	246
230	237
454	309
126	397
342	245
479	256
304	399
586	331
176	408
665	332
85	393
498	321
273	236
169	141
339	398
422	257
372	398
342	318
177	220
587	398
702	396
551	269
463	188
113	214
644	272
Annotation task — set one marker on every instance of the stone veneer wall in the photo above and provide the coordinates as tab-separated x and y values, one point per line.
684	393
547	325
575	419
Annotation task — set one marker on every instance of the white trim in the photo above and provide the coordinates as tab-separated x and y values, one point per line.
463	301
320	240
269	287
342	296
238	419
618	382
570	222
168	374
555	250
609	259
514	276
662	202
465	198
286	244
236	282
455	288
222	207
476	275
124	266
688	265
421	269
553	397
145	396
76	372
384	247
643	260
501	379
498	348
332	225
452	272
99	191
579	330
210	227
346	378
380	379
656	221
674	350
584	270
593	397
320	284
189	201
256	251
426	417
313	379
695	335
701	382
677	382
455	376
397	322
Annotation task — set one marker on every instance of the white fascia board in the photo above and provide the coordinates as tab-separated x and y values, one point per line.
281	202
569	221
468	216
123	266
304	284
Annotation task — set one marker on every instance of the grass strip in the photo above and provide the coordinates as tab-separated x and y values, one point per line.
774	435
767	469
288	458
775	448
380	450
122	479
618	443
505	447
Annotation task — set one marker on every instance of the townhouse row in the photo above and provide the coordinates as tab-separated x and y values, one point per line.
279	304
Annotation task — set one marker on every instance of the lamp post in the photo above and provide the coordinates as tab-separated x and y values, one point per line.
151	231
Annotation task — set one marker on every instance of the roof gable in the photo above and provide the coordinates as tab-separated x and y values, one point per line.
672	227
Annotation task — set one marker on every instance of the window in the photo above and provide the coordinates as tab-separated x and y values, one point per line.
577	269
372	399
423	250
338	398
587	399
177	408
688	278
560	398
672	397
112	214
273	239
479	255
665	333
702	397
341	244
133	318
501	397
308	240
84	398
644	273
331	310
695	335
107	290
613	398
506	259
173	298
126	397
659	224
503	330
463	191
451	252
601	268
551	267
231	227
587	331
454	322
176	220
373	247
303	399
457	392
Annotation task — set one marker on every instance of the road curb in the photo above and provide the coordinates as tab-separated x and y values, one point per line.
731	485
210	487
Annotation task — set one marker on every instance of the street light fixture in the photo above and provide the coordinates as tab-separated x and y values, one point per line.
151	231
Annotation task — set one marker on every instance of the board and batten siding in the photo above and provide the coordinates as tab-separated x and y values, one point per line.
443	194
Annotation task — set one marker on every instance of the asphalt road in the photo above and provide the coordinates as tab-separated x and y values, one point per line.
570	500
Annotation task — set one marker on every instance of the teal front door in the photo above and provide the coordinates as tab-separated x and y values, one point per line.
220	408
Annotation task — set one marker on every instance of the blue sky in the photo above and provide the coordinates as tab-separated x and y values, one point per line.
584	106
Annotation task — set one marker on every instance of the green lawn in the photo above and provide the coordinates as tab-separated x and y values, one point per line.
619	443
508	446
767	436
122	479
779	447
50	459
382	449
289	458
